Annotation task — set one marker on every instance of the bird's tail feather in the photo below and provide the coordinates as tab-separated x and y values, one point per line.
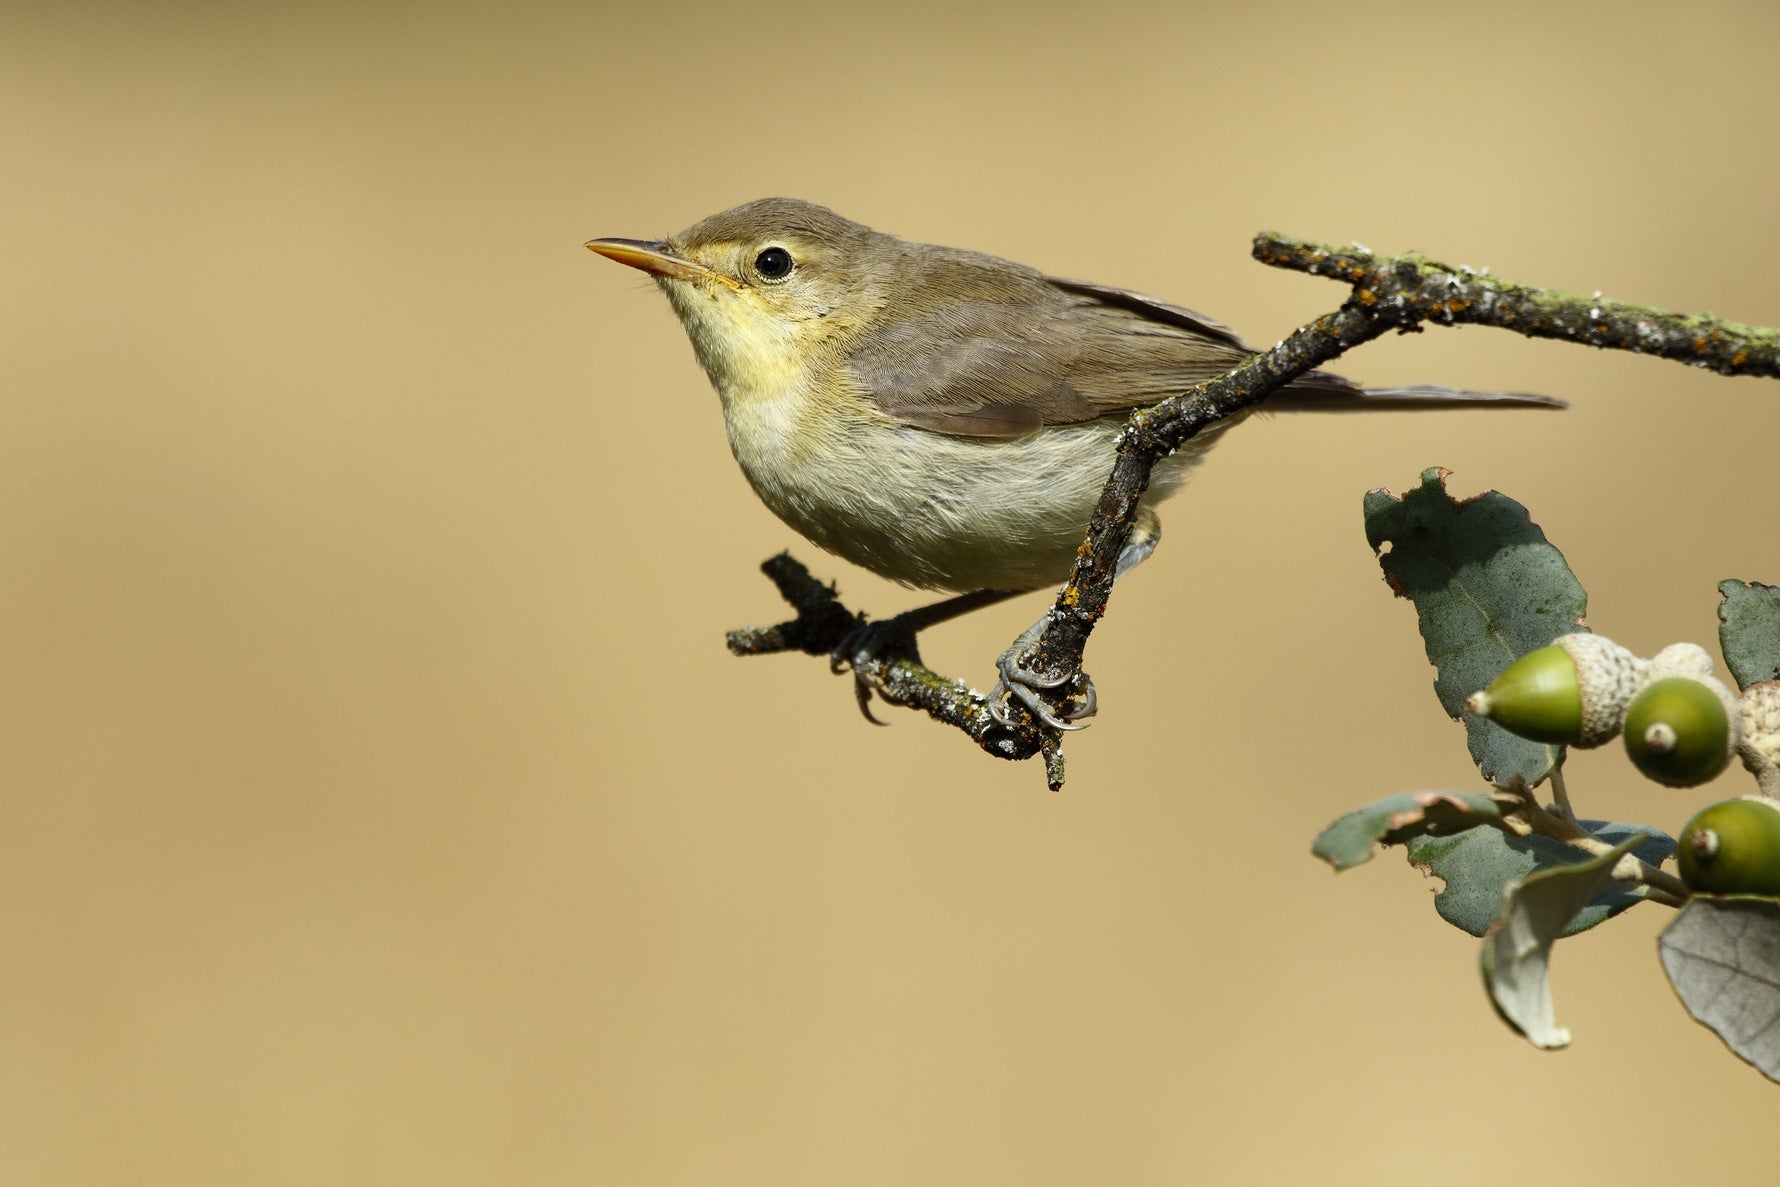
1321	391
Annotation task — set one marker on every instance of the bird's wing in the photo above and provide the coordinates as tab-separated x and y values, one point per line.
995	350
1000	353
1154	310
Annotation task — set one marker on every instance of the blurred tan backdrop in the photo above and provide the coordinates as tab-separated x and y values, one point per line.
380	805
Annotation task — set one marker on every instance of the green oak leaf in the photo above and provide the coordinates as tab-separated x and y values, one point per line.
1722	956
1516	954
1395	819
1749	630
1478	867
1487	588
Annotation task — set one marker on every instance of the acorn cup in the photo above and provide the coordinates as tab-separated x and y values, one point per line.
1682	730
1682	659
1732	848
1574	691
1759	746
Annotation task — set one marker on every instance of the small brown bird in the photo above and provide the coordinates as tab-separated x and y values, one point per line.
938	416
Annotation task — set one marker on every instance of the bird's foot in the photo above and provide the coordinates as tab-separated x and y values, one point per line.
1029	686
886	640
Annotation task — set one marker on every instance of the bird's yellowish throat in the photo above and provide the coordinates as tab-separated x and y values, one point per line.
941	417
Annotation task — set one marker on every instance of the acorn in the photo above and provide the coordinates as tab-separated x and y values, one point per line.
1575	691
1682	730
1733	848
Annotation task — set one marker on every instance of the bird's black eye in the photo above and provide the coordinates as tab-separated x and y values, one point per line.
773	264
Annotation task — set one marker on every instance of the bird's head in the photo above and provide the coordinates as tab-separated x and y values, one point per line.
765	288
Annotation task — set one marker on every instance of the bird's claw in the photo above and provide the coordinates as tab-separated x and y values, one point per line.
1021	683
884	640
862	690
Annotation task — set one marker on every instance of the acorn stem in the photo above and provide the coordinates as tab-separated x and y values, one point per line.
1560	793
1528	817
1768	782
1658	886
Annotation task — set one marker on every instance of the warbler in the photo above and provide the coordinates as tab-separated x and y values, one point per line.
943	417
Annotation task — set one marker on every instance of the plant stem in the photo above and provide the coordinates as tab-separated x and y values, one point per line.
1561	793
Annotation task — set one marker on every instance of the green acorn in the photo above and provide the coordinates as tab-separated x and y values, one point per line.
1682	730
1733	848
1574	691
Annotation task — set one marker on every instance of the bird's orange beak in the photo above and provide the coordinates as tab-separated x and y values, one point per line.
657	259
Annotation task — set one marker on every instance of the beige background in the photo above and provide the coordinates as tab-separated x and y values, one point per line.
380	805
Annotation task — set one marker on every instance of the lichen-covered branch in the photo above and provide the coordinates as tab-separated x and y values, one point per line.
1447	295
1389	293
822	622
1153	433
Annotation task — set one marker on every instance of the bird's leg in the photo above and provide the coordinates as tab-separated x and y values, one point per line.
1028	685
894	637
